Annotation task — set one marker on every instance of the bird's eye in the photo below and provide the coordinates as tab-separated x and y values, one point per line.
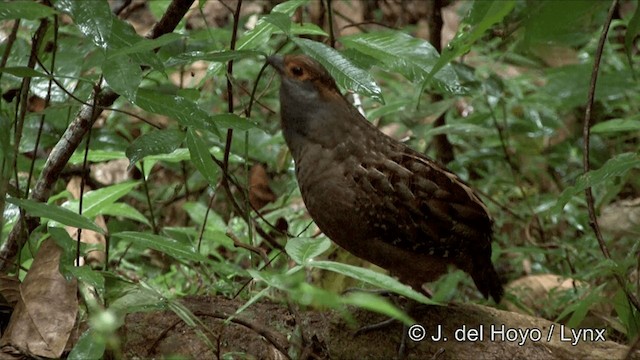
297	71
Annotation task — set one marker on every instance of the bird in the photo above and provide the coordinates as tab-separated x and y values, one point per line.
374	196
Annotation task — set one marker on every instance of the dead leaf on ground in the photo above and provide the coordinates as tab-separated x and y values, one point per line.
46	312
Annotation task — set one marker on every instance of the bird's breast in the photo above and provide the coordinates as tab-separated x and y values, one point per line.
328	189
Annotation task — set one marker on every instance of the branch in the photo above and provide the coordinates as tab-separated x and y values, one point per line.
593	220
70	141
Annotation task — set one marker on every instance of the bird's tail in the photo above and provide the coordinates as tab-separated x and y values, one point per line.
487	280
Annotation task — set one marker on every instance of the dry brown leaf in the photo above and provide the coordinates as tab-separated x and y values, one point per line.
260	194
46	312
535	291
621	218
10	289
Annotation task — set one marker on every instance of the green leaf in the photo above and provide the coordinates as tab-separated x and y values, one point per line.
632	30
138	299
378	304
93	18
482	16
617	125
124	38
563	22
177	155
27	10
163	244
56	213
146	45
307	29
213	56
153	143
125	211
233	121
96	156
374	278
185	111
347	75
88	276
94	202
411	57
280	20
201	157
616	166
23	71
302	250
89	346
123	74
260	34
459	129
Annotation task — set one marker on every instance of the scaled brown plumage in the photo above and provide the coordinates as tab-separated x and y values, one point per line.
374	196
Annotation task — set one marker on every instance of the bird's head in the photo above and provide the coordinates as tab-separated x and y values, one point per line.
304	80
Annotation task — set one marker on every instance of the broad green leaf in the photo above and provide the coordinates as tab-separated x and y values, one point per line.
96	156
617	125
260	34
307	29
93	18
27	10
56	213
123	75
146	45
302	250
124	38
125	211
402	53
201	157
378	304
563	22
346	74
280	20
163	244
186	112
177	155
374	278
138	299
632	30
459	129
94	202
483	15
233	121
616	166
89	346
582	307
213	56
23	71
155	142
88	276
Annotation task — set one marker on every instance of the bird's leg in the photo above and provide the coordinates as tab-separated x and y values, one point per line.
409	307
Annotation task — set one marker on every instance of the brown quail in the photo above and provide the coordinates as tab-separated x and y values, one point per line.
374	196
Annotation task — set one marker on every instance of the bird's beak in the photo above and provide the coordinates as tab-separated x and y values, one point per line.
277	62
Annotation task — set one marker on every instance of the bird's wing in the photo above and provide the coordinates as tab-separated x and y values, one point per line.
415	204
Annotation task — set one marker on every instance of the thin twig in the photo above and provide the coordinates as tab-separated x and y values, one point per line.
332	36
47	100
145	183
593	219
275	338
82	178
253	249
